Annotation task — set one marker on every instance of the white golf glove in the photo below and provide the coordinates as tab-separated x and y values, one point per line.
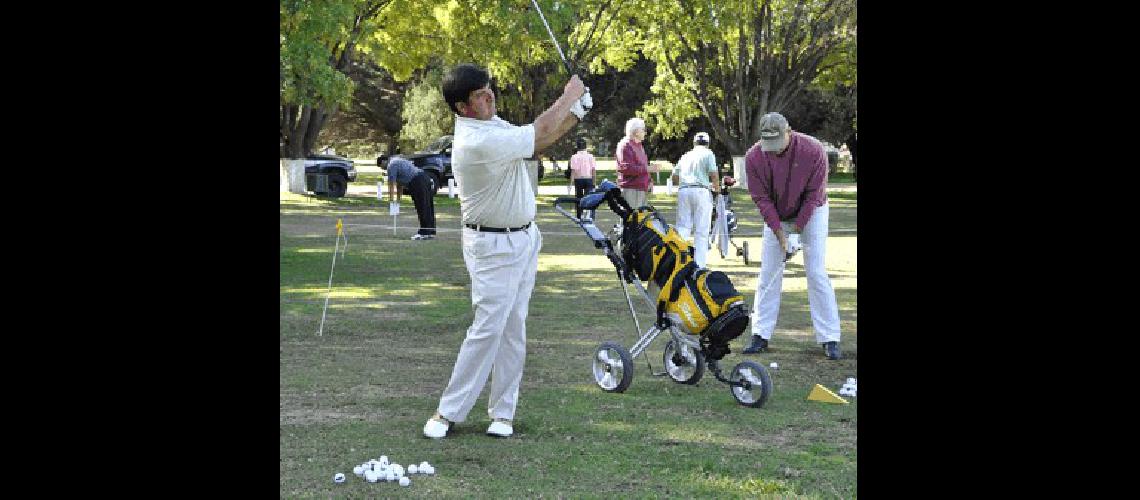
794	244
582	105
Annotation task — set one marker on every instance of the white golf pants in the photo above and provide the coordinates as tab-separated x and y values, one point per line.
821	295
502	267
694	215
635	197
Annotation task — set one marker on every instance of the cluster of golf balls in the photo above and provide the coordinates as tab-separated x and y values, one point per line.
849	388
381	469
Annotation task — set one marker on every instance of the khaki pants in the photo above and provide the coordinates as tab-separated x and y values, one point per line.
502	267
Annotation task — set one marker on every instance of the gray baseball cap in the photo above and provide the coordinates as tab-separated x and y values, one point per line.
702	137
774	132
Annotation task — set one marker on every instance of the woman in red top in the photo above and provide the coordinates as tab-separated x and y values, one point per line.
633	166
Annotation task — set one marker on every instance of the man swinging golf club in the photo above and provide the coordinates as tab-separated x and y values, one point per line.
500	240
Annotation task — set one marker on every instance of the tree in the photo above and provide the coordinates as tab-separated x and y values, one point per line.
319	40
733	61
425	115
373	120
509	39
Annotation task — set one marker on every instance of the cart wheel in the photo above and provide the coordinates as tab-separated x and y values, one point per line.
613	368
760	384
744	251
686	366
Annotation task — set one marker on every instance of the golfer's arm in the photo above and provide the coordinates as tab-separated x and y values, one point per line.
553	123
715	178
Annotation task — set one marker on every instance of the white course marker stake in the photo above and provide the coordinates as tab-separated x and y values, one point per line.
339	228
394	211
451	188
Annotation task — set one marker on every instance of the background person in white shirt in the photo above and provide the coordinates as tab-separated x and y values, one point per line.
500	240
695	172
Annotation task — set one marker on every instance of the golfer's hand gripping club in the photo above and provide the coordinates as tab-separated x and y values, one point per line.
575	87
793	247
584	103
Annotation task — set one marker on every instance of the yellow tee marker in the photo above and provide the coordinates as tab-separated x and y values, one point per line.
823	394
338	226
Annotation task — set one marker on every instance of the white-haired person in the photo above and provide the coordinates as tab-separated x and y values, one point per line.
633	166
695	173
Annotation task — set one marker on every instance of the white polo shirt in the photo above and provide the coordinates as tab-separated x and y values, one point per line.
487	161
696	166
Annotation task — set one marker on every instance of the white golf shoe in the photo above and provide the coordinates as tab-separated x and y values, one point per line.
500	428
436	429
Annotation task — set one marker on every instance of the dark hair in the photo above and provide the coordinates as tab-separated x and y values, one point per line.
702	143
461	81
580	144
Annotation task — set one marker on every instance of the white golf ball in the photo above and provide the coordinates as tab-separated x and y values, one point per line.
404	481
850	380
424	465
391	476
412	469
398	469
371	476
773	365
358	470
430	470
384	459
339	477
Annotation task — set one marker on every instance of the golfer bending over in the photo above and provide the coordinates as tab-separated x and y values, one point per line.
500	240
787	177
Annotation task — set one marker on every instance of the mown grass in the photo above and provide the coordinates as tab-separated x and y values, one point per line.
399	310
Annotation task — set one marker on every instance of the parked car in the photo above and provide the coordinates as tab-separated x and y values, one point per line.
435	159
329	174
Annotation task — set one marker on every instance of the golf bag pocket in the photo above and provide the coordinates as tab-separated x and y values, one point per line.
651	248
697	297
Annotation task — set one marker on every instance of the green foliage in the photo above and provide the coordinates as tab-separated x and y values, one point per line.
733	60
404	37
309	33
426	116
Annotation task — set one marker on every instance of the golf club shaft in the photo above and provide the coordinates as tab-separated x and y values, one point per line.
551	32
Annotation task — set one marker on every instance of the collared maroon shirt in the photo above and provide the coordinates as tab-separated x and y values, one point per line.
788	187
632	165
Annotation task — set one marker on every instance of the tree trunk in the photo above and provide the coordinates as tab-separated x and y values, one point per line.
313	130
295	133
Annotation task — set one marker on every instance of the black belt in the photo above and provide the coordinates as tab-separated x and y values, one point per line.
480	227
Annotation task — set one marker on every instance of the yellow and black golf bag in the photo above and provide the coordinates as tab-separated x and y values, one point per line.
697	301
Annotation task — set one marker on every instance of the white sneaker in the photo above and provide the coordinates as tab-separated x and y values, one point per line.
500	429
435	429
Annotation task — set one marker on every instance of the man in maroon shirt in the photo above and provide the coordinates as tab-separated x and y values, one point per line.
787	178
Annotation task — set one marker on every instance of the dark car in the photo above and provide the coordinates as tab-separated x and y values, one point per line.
329	174
435	159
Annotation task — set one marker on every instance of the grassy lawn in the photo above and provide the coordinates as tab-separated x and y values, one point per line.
399	310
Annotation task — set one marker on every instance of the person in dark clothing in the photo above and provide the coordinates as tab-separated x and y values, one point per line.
404	176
